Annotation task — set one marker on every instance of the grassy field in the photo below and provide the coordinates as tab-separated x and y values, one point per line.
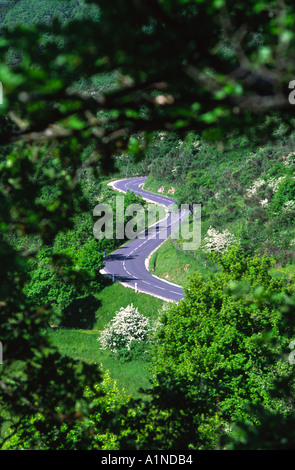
175	265
172	264
83	345
115	296
153	185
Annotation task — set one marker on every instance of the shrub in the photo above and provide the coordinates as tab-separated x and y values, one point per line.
218	241
285	192
127	326
217	335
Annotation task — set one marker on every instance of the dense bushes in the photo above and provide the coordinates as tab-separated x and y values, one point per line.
128	335
244	189
220	368
284	198
126	327
234	346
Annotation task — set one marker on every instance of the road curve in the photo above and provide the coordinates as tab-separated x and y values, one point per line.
128	263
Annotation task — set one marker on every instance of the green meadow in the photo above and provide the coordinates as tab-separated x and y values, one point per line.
83	344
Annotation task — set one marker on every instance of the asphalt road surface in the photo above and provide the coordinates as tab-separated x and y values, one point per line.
127	265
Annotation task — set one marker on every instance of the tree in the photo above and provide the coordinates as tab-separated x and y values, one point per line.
128	326
200	65
234	347
205	66
36	381
170	416
275	430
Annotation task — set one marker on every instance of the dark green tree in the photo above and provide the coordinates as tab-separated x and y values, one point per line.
235	347
105	83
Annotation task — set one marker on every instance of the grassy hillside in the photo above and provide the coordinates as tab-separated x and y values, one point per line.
247	193
82	344
173	264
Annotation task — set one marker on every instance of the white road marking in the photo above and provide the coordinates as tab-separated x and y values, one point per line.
129	185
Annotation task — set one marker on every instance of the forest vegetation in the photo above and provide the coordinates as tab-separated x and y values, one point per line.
193	94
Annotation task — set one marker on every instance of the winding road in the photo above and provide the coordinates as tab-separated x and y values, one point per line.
128	264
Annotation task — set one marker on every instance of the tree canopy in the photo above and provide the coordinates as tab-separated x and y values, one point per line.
90	81
207	65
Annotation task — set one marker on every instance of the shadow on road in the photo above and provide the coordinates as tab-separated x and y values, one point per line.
118	257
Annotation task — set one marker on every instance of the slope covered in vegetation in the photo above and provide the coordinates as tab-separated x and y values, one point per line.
246	191
93	91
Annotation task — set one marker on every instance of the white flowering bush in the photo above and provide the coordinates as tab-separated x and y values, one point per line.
289	206
218	241
127	326
264	202
273	182
255	186
290	160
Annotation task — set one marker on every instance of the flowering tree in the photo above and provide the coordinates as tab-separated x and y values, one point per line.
128	325
218	241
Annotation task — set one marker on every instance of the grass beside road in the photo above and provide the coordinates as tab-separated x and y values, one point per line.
115	296
175	265
82	345
153	185
171	264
